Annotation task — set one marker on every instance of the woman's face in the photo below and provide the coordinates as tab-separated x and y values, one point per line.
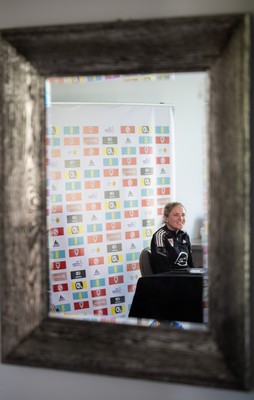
176	218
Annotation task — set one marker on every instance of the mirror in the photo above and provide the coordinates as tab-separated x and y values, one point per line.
79	184
220	44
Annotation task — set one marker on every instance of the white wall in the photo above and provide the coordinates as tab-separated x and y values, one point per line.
187	93
18	383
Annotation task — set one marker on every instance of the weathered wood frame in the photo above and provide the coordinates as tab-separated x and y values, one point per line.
220	357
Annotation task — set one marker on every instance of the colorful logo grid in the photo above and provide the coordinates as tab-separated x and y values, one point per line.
109	174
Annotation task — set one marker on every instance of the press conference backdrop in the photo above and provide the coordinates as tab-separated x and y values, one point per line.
110	171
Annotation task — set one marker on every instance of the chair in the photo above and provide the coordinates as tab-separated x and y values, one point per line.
145	262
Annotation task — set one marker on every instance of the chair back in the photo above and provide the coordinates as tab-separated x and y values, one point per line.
145	262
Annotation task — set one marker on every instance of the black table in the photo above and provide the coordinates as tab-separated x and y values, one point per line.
170	296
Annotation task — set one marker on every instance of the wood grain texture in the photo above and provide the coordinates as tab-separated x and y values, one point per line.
218	358
23	235
162	45
117	350
229	155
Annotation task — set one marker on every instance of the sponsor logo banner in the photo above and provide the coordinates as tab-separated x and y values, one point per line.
99	303
80	295
91	129
115	269
108	179
80	305
57	231
128	129
97	282
101	312
96	261
61	287
73	141
117	300
115	280
94	239
118	309
57	265
78	274
91	151
71	130
132	266
79	285
72	186
76	241
162	129
98	292
78	252
63	307
73	207
59	276
57	254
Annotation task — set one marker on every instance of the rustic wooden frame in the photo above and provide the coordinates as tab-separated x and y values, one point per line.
220	44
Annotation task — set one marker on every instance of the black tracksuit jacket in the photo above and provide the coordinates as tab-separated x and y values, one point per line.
171	250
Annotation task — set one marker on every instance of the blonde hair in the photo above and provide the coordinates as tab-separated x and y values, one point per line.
169	207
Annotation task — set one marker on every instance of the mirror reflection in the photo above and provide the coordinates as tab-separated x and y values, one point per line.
118	150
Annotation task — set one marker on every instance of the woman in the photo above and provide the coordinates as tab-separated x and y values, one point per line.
170	245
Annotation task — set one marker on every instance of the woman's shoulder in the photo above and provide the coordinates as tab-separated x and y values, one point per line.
160	232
